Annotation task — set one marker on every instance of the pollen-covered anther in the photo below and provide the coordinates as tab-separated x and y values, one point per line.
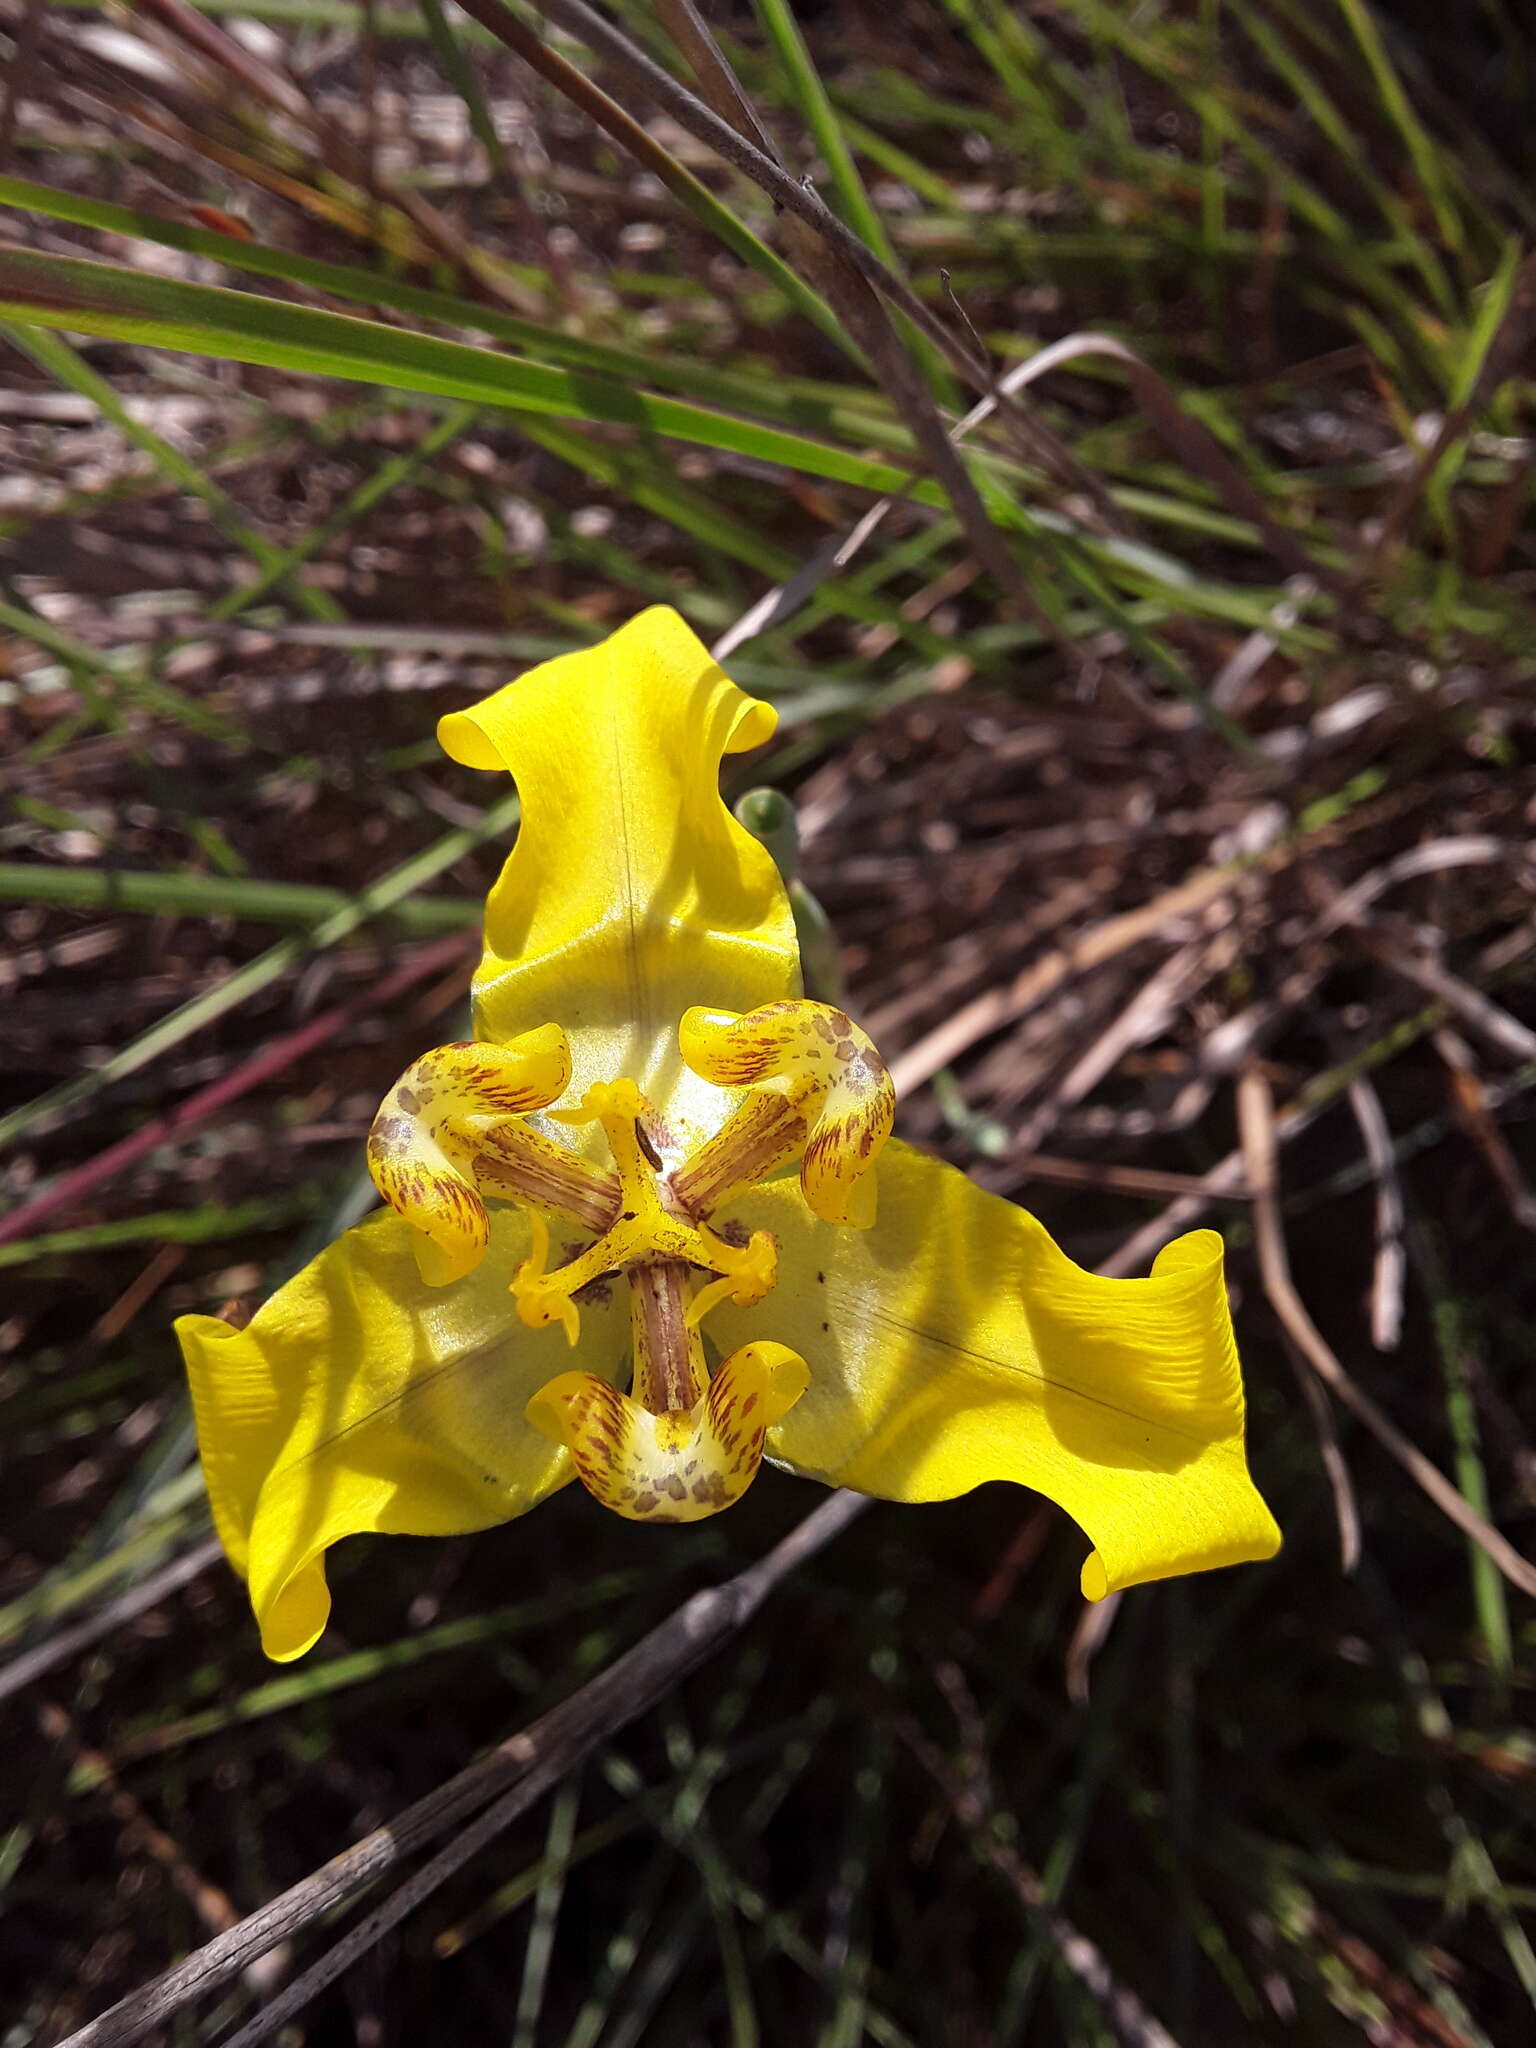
450	1131
820	1090
682	1465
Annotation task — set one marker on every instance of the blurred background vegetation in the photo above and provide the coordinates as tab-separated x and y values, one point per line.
1166	771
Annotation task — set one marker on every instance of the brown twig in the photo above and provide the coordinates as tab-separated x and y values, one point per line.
1227	1177
999	1006
689	111
1027	1543
1391	1262
1090	1634
1105	1177
23	52
1430	857
1478	1012
717	81
515	1774
800	201
822	249
1138	1018
858	305
1190	443
1257	1118
1469	1098
342	155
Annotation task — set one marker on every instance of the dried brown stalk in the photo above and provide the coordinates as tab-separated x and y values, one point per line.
1469	1097
999	1006
516	1774
1391	1262
1259	1128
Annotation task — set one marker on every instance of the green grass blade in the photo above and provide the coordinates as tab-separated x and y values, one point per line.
54	355
810	95
1488	1594
460	74
724	386
209	1225
546	1912
1421	149
850	197
123	305
259	973
137	893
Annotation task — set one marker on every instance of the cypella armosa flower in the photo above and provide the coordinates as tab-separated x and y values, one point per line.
596	1263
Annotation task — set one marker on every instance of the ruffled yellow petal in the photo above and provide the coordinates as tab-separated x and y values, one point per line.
955	1343
631	894
360	1399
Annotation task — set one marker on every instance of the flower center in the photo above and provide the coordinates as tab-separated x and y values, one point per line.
682	1443
651	1229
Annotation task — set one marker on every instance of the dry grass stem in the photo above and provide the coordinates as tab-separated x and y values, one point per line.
517	1773
1261	1152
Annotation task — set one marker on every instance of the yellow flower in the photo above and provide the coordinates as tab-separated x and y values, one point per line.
448	1363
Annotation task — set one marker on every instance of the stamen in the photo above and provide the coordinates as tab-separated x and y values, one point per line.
765	1131
670	1373
749	1273
829	1097
681	1465
648	1229
451	1131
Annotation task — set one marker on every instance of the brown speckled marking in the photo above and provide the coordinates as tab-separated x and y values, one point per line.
829	1079
449	1128
684	1464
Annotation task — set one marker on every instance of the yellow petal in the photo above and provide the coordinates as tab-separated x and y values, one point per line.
359	1399
631	894
955	1343
681	1466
